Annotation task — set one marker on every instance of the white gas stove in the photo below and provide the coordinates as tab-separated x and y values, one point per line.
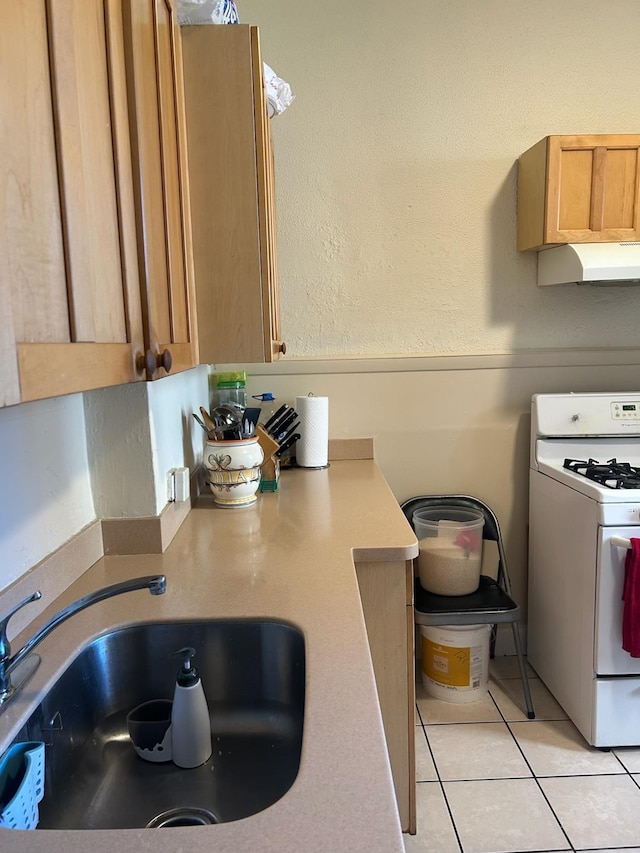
584	508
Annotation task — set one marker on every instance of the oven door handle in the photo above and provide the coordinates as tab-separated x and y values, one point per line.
620	542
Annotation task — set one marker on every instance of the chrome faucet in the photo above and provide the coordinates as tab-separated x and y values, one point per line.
23	664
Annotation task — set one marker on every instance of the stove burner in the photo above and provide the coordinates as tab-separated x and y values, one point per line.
612	474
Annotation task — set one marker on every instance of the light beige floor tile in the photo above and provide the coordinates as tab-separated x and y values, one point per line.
509	698
425	768
435	832
498	816
476	751
506	666
611	850
437	711
595	811
630	757
556	748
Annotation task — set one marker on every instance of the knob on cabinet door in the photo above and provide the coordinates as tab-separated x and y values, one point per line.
155	360
165	360
280	347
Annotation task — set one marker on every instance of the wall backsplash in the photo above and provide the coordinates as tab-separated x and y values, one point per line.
70	460
451	425
46	498
136	434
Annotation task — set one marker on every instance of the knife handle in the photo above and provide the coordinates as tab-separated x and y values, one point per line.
276	415
281	426
286	432
287	444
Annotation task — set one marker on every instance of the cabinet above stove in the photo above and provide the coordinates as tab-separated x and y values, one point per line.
579	189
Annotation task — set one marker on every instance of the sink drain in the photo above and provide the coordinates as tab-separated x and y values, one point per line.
184	816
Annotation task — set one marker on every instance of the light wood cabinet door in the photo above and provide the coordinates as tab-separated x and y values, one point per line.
232	195
69	292
579	189
159	150
386	591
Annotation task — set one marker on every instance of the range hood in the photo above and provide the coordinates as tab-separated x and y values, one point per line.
590	263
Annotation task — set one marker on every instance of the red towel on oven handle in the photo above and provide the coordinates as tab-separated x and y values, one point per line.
631	598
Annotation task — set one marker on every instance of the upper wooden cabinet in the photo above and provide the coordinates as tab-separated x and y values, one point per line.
96	272
232	195
161	186
70	313
579	189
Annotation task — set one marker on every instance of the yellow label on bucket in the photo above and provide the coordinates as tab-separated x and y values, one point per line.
450	665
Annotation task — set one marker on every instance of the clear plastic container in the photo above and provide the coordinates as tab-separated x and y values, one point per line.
230	388
450	541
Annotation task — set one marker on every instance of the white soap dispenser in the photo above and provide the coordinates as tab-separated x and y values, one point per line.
190	724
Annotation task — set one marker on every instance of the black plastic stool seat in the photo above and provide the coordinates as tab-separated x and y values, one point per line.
490	604
488	600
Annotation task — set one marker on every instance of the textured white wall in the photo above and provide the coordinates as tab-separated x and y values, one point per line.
396	167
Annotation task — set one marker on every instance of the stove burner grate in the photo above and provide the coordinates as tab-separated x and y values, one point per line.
612	474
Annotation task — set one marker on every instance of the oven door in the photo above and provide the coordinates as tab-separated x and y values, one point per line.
609	656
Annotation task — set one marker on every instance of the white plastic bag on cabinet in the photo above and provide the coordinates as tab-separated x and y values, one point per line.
207	12
278	91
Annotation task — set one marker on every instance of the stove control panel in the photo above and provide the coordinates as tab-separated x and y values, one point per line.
588	414
626	410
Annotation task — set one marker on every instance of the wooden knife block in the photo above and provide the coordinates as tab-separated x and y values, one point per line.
270	468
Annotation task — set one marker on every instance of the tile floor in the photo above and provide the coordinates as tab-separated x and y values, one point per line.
492	781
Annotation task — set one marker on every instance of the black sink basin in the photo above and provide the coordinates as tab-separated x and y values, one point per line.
253	673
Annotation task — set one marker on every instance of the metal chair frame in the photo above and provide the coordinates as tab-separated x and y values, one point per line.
491	604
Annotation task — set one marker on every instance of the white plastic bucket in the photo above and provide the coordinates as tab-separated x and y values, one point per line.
455	661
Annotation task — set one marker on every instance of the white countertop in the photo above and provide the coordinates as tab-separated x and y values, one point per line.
291	557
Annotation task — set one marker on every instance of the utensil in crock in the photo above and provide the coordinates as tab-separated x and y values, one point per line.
210	425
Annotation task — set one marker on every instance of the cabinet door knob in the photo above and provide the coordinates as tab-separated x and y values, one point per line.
165	360
281	347
154	361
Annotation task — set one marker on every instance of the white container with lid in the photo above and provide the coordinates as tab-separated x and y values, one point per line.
450	541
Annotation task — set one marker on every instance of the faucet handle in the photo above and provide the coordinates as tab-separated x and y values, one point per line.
5	647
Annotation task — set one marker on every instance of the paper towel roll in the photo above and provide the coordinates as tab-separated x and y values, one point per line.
312	448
